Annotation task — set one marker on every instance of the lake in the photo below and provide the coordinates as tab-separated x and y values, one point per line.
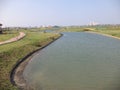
76	61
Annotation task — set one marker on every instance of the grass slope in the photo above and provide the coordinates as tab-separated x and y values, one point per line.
6	36
110	30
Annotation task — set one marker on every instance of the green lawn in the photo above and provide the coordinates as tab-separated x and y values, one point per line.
12	52
6	36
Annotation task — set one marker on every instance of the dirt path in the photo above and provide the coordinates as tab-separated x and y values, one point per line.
21	35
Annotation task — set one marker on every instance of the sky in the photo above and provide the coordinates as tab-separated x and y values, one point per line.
58	12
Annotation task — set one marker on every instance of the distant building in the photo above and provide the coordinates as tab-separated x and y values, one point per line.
93	23
0	28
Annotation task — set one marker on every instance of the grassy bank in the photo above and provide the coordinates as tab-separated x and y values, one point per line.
108	29
71	29
110	32
7	35
114	31
11	53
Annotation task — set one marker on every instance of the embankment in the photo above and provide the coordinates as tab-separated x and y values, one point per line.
16	76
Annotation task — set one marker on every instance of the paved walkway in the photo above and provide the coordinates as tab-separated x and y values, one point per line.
21	35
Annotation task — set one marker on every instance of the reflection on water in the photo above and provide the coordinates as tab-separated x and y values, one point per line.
77	61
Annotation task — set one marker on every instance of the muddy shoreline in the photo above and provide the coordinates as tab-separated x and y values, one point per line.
16	74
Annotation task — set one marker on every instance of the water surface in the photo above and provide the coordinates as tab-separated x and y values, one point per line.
76	61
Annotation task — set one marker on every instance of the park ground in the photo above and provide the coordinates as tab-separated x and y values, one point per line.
35	39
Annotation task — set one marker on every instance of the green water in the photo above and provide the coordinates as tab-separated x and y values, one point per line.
76	61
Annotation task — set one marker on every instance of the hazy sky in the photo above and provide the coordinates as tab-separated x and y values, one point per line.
58	12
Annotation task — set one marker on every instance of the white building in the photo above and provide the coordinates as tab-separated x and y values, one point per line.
93	23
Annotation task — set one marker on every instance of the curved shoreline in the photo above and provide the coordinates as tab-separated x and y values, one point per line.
20	65
108	35
16	73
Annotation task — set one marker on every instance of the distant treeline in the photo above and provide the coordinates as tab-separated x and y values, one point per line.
102	26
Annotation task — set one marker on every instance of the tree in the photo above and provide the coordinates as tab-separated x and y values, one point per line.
0	28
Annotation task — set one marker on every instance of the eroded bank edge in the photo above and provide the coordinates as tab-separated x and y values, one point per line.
19	62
